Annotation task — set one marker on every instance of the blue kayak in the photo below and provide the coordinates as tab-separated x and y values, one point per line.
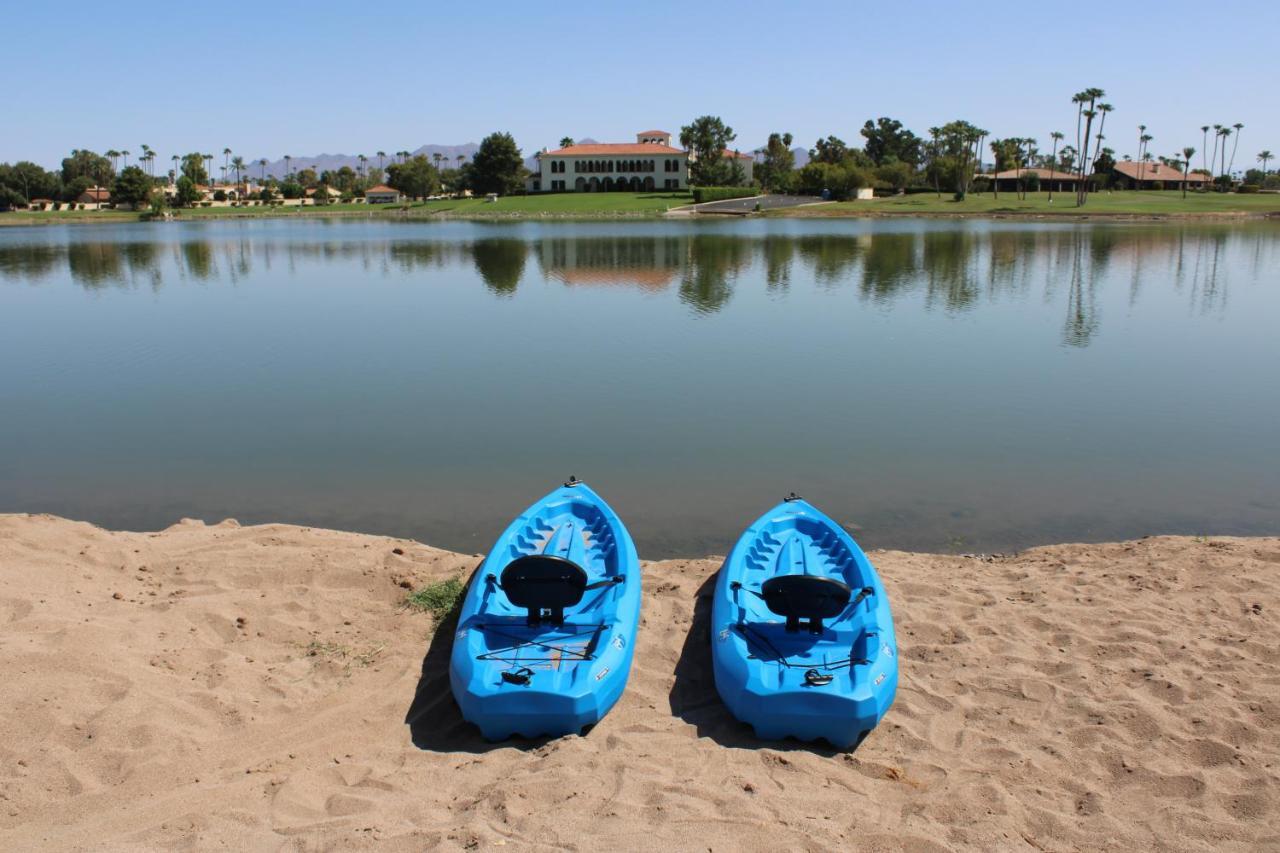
802	638
548	626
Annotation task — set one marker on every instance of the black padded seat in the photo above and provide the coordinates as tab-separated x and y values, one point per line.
805	597
544	585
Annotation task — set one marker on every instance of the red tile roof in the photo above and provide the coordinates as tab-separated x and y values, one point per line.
653	133
614	149
381	188
1155	171
1045	174
731	155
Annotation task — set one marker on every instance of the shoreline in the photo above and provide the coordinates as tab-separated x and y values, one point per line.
812	211
224	685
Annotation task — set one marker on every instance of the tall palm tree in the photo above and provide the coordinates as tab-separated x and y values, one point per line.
174	158
262	165
381	156
1234	145
995	167
1053	161
287	160
226	162
363	159
1217	135
934	132
1204	150
238	164
208	167
1142	131
125	155
1264	157
1187	154
1104	109
1091	96
1224	133
437	157
1144	155
459	159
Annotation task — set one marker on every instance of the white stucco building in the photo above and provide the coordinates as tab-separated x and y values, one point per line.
648	164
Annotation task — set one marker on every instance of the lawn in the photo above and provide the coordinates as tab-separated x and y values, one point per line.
558	204
1119	203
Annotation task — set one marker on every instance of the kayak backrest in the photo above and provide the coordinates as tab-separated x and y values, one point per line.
805	597
544	585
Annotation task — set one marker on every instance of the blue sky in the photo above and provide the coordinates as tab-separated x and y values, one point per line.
267	79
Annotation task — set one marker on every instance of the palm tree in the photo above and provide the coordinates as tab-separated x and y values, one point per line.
125	154
1144	156
381	156
1217	135
226	162
208	167
934	132
1264	157
174	158
1204	150
238	164
1091	95
437	157
1053	161
1224	133
1104	109
262	165
995	167
1142	132
1187	154
287	160
1231	164
460	158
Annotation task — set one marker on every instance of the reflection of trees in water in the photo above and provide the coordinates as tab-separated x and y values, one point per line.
500	262
1082	316
831	257
714	260
949	261
197	258
889	265
777	252
94	265
29	261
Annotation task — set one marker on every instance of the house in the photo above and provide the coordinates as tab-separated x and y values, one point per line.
329	192
1146	175
1007	181
650	163
382	194
95	196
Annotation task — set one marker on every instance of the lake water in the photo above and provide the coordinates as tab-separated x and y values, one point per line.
953	386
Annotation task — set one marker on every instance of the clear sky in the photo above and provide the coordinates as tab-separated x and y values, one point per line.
270	78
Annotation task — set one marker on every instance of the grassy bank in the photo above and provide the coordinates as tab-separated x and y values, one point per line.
1160	204
563	205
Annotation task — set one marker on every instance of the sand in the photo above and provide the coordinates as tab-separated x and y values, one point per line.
247	688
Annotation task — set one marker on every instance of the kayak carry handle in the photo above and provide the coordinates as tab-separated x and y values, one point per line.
572	481
816	679
791	498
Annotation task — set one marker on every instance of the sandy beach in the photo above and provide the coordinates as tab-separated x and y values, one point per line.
262	688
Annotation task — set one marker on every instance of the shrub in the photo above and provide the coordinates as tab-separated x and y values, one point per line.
219	195
1248	188
439	599
1032	182
704	194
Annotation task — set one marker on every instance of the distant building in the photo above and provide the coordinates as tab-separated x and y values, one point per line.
382	194
648	164
1007	181
1134	174
94	195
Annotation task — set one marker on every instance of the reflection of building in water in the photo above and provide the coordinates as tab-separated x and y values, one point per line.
649	263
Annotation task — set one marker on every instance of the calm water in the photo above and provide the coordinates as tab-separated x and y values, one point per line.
933	385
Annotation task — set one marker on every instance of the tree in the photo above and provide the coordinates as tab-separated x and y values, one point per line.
1265	157
841	180
193	167
28	180
775	170
1224	133
1231	165
706	139
382	155
307	177
888	142
498	166
566	142
1187	154
226	161
186	194
1057	137
262	174
415	177
238	164
1103	109
84	163
830	150
1089	96
132	186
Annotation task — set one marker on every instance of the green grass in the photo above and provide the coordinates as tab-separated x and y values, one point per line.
558	204
439	599
1130	203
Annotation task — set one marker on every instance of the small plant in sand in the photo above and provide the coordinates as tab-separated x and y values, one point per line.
439	599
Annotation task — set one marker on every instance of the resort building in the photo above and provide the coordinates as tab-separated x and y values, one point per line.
649	163
1058	181
1134	174
383	194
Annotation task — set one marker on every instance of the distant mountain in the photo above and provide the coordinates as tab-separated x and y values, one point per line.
331	162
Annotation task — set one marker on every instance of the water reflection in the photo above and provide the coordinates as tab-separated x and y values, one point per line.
953	269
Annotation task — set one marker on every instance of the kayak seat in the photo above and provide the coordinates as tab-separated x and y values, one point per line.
807	598
544	585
